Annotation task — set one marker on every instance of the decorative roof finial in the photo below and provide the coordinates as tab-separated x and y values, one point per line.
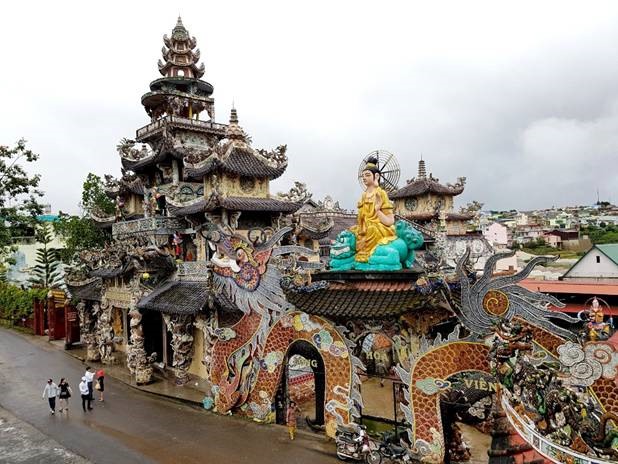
234	116
422	173
234	131
180	31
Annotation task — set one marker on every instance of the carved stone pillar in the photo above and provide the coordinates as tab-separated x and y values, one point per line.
105	333
87	328
181	327
137	361
207	326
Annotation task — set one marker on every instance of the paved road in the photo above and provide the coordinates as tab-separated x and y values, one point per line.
20	443
133	426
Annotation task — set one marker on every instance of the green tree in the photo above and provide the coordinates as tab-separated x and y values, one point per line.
47	272
81	232
19	195
94	198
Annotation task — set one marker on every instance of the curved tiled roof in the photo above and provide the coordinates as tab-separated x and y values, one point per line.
137	165
235	204
89	291
341	222
435	215
362	299
193	208
175	297
258	204
422	186
240	161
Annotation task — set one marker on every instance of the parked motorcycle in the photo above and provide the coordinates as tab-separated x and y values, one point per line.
353	443
391	452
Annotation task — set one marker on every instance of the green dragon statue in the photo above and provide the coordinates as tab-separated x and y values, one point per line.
393	256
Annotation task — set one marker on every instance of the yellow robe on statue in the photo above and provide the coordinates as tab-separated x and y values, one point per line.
369	231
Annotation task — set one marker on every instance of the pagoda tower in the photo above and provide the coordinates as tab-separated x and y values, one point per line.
180	92
183	165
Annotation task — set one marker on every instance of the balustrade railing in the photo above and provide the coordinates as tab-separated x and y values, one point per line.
556	453
193	270
153	225
178	121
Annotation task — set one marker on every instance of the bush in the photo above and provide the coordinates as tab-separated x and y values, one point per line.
16	303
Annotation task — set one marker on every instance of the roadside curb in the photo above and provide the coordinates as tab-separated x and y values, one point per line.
185	401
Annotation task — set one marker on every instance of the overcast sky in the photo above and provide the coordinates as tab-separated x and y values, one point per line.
520	99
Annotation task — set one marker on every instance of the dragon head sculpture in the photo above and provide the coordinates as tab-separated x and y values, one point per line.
342	252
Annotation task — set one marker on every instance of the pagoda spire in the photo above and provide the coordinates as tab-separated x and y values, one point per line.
180	30
234	131
180	55
180	92
422	172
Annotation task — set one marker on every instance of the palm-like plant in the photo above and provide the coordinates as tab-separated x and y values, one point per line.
47	272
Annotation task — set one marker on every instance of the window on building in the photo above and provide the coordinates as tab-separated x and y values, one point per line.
598	259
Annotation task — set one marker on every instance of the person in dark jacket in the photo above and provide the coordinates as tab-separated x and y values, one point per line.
64	395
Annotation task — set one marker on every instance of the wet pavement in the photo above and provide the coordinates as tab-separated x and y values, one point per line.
132	426
20	443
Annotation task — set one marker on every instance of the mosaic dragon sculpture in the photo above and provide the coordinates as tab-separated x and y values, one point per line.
248	358
523	316
241	271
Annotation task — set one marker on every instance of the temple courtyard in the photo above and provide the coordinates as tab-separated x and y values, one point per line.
131	426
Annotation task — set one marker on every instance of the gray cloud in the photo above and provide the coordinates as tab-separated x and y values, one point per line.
521	101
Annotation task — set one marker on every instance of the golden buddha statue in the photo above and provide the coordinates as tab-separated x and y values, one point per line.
375	214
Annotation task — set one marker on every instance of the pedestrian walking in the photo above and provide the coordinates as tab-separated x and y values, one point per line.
65	393
51	392
89	374
85	392
293	411
381	370
100	386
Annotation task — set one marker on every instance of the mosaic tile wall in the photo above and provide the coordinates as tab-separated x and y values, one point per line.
337	365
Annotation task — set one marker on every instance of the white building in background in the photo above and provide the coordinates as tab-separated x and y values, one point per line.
498	235
600	264
521	219
26	253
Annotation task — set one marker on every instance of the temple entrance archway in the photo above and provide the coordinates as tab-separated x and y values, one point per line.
302	381
426	380
341	384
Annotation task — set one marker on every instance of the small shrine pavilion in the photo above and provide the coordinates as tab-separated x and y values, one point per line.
426	201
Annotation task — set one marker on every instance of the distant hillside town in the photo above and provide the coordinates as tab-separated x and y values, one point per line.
573	228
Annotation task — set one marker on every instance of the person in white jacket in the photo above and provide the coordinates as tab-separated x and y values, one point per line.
83	390
89	374
51	392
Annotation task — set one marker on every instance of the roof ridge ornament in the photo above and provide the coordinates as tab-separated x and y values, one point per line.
234	132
